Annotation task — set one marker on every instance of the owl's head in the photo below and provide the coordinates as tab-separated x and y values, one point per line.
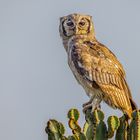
76	24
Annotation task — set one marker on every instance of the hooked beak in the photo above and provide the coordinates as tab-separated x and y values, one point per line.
76	30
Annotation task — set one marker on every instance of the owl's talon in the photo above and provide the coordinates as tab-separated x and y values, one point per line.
87	103
97	107
86	107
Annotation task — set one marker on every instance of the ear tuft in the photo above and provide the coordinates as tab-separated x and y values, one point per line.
61	18
90	16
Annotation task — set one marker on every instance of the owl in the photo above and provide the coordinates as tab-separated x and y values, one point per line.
94	66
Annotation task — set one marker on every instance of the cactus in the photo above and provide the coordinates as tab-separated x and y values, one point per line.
95	128
122	133
73	116
134	129
113	124
55	130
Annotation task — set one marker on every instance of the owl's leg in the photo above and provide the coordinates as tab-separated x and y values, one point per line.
96	104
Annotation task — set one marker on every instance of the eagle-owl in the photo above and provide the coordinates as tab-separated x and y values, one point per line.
94	66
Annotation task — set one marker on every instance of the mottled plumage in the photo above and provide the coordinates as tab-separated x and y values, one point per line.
94	66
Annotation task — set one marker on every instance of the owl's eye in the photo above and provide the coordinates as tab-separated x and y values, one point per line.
82	23
70	23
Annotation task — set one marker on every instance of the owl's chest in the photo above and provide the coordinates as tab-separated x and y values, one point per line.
88	87
79	77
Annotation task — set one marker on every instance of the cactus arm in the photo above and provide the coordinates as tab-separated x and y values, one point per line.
95	128
121	133
55	130
134	130
73	116
113	124
101	131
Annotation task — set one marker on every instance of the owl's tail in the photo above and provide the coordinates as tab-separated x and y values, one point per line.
128	112
133	104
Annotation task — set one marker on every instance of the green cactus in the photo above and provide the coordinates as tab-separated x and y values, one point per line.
134	129
95	127
55	130
101	129
89	126
122	133
113	124
73	116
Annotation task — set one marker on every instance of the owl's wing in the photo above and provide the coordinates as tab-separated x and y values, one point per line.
98	64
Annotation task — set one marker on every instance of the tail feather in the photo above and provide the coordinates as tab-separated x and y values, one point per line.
129	111
133	104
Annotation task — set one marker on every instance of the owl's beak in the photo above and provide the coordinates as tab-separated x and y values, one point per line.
76	30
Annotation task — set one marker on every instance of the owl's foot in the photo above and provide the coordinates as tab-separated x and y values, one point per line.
87	106
91	107
98	107
88	103
93	104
